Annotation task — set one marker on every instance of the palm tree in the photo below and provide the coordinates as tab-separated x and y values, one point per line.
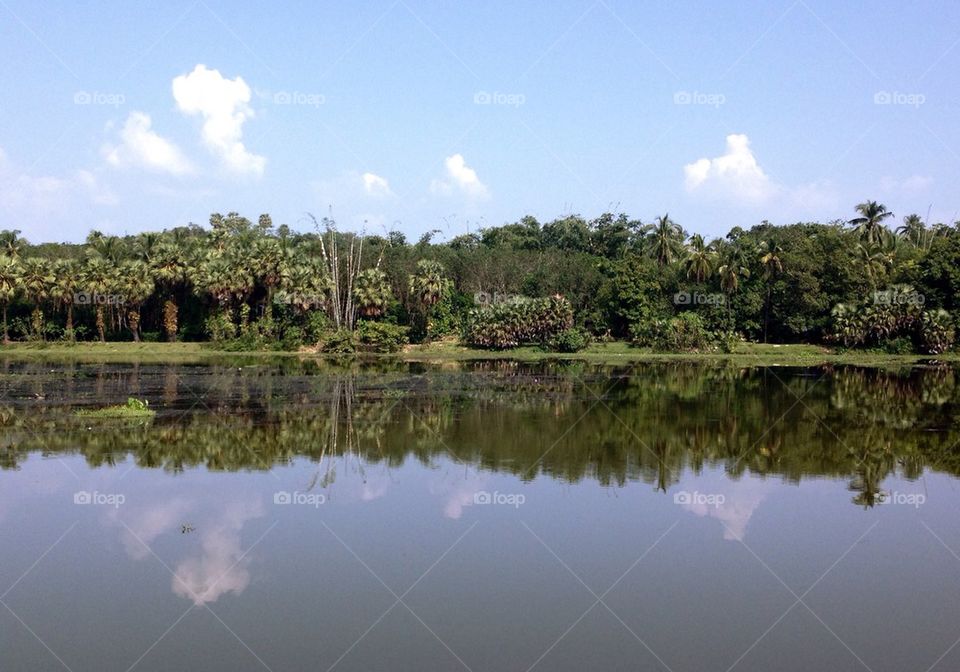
427	284
731	271
169	266
870	222
10	243
427	287
305	284
9	285
772	263
372	292
110	248
137	284
872	260
68	281
98	281
699	261
37	280
665	240
914	231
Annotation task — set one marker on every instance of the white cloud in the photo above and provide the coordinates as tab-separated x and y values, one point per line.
735	175
459	177
143	147
374	185
223	104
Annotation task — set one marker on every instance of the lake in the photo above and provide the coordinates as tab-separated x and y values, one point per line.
293	515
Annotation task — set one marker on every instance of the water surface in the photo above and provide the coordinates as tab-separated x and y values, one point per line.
486	516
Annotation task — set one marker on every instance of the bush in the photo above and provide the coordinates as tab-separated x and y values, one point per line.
381	336
342	342
936	332
317	324
514	323
220	327
569	340
684	333
898	346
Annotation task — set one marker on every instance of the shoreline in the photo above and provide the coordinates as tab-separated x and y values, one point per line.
748	354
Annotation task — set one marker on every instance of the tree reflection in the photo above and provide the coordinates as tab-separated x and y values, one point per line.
653	423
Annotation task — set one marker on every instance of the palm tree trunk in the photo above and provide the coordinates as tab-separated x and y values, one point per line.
6	334
70	320
170	320
133	321
766	315
101	325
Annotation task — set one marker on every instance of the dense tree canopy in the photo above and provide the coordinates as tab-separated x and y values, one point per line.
623	278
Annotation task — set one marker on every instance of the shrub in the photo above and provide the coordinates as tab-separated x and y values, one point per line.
684	333
341	342
381	336
569	340
317	324
220	327
936	332
891	323
507	325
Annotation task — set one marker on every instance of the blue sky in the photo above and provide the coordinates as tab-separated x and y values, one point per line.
423	115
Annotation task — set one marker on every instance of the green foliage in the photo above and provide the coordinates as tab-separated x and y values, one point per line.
618	275
342	342
936	331
686	332
894	316
381	336
518	322
133	408
220	327
574	339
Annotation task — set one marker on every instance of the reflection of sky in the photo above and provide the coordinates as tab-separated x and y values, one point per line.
741	499
460	493
219	567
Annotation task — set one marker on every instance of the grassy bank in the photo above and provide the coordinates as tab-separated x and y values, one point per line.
601	353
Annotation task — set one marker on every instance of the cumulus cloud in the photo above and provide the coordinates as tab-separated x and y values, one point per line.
735	174
224	106
459	177
141	146
737	177
374	185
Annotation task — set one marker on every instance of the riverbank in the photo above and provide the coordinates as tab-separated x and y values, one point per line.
748	354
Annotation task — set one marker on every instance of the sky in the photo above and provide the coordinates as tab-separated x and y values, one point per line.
422	115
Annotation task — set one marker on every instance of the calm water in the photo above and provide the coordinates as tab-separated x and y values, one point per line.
480	517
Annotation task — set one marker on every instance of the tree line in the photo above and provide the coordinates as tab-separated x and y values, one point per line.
862	282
